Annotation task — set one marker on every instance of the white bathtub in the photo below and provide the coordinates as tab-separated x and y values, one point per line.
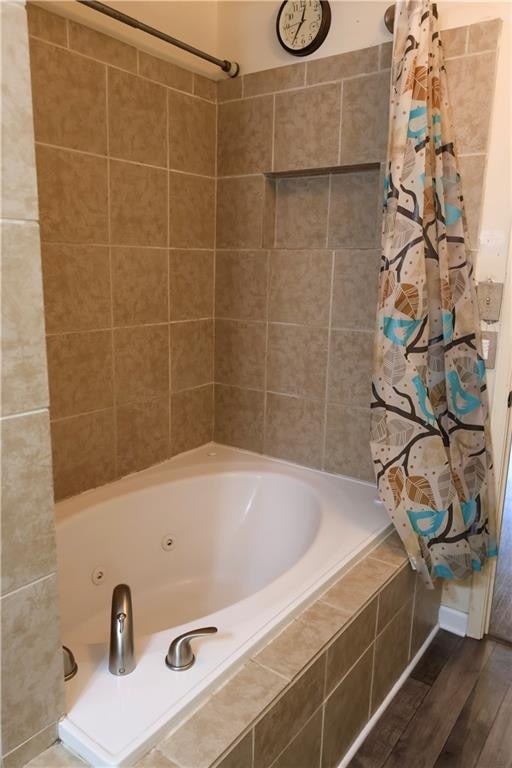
253	539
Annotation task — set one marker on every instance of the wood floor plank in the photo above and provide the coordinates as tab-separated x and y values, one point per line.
501	613
497	752
379	744
475	722
428	730
440	650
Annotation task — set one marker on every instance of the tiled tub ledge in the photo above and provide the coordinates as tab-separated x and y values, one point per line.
311	690
317	683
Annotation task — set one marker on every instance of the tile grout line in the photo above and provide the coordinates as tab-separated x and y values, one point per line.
169	288
111	281
322	732
328	360
22	414
269	282
254	174
29	585
273	133
409	650
340	123
31	738
106	329
374	650
277	183
294	396
58	419
241	249
112	158
274	762
267	335
151	399
471	54
261	664
349	670
112	245
294	249
125	71
374	654
214	281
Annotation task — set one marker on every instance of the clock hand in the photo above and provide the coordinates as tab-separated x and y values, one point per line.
300	24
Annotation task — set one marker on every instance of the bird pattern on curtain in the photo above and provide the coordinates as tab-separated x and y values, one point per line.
430	438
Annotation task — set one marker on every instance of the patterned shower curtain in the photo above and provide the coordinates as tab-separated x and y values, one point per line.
429	429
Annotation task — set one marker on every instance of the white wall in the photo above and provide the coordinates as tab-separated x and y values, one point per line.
246	28
247	31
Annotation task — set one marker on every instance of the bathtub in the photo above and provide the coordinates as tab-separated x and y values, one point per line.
216	536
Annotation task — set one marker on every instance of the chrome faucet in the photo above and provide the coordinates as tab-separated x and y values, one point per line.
180	655
121	658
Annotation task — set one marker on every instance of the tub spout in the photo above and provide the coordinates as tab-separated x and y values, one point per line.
121	659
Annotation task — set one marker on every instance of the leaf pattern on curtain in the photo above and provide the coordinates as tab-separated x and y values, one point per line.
430	436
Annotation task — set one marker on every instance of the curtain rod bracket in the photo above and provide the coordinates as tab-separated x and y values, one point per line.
389	18
230	67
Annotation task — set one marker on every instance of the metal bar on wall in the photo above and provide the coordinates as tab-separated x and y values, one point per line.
230	67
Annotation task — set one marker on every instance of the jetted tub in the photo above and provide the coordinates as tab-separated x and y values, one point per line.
216	536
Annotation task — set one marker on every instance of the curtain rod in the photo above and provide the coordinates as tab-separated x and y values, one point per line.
230	67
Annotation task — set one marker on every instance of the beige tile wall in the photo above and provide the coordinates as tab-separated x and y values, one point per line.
31	663
126	171
297	254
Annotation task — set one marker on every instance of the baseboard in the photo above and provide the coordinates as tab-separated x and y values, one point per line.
387	701
453	621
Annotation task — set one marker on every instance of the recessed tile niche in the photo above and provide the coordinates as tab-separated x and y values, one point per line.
302	351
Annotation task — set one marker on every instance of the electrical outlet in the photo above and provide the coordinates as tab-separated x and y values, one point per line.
489	300
489	344
492	238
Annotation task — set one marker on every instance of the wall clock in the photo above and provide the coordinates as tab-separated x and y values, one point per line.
302	25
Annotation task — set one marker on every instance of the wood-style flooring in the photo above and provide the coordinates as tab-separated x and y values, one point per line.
501	613
454	711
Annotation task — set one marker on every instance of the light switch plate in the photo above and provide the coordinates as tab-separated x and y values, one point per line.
489	344
489	300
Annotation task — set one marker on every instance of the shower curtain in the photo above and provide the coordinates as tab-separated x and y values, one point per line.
430	438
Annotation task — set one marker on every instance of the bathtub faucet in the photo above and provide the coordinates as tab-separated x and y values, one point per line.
180	655
121	659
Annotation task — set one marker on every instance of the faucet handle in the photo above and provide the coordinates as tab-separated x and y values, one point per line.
180	655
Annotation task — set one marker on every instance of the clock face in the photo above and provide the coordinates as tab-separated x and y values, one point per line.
302	25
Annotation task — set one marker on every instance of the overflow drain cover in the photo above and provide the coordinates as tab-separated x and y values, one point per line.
98	575
167	542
